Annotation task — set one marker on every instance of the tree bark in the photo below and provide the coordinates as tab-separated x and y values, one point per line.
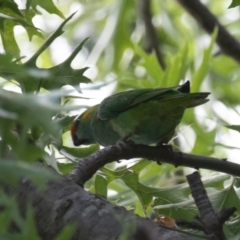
65	202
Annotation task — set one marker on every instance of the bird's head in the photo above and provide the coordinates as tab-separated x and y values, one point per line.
81	130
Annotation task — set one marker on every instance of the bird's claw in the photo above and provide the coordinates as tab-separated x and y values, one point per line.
123	143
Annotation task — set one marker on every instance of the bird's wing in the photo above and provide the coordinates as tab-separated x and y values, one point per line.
112	106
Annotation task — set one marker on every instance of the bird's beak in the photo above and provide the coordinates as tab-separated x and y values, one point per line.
78	142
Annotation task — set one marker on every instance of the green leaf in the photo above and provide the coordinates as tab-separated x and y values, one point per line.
10	17
29	228
12	171
51	159
215	180
101	184
29	111
32	110
47	5
233	127
31	78
31	31
10	69
10	213
66	233
237	182
66	168
130	178
234	3
176	68
225	198
54	77
178	209
121	31
65	122
138	167
150	63
201	72
132	181
75	154
233	227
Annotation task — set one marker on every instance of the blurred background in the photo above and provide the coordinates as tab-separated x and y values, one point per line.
118	58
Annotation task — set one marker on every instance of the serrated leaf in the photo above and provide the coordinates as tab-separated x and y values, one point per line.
54	77
10	16
28	16
47	5
131	180
11	6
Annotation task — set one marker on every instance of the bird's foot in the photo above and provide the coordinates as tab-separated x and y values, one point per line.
166	147
123	143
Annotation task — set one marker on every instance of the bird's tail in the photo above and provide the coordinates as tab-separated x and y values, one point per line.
187	100
196	99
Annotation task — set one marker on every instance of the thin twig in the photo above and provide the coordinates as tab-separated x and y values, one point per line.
152	41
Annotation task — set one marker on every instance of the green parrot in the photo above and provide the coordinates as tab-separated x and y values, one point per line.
145	116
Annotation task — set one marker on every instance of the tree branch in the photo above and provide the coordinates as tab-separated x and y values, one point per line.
88	166
228	44
152	41
211	222
64	202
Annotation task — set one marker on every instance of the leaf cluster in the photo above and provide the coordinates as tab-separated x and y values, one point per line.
35	114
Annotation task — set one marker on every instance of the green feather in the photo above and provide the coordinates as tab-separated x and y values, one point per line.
111	106
146	116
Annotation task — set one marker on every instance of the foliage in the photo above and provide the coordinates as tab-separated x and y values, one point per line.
36	113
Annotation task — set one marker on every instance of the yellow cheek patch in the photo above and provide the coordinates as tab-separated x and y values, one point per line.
86	115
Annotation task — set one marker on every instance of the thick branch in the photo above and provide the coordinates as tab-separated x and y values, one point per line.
209	221
64	202
228	44
88	166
